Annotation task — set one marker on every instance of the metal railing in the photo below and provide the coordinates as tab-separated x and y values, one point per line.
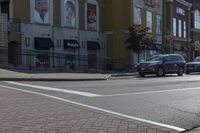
35	59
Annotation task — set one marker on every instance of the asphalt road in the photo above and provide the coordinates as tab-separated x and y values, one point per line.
170	100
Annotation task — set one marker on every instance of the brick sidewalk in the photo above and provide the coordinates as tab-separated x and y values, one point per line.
22	112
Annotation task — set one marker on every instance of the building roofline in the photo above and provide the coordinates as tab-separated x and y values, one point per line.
185	3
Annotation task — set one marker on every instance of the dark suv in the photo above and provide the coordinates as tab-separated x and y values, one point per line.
162	64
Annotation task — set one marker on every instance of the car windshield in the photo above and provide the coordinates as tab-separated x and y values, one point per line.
156	58
197	59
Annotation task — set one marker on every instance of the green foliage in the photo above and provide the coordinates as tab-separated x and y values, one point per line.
139	40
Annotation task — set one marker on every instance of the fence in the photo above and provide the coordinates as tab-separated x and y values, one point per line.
35	59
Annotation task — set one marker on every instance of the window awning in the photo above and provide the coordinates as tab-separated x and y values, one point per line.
71	44
92	45
43	43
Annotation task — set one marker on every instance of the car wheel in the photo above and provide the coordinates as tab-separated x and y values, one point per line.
180	71
160	72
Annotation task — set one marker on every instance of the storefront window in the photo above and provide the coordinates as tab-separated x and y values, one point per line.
42	60
70	61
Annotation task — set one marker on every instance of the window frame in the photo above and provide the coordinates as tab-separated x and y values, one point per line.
197	19
174	27
159	26
149	16
179	28
140	21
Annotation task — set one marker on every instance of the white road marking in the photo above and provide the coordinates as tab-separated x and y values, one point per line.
151	92
86	94
100	109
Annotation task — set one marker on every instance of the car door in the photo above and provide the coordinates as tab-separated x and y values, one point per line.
170	64
175	63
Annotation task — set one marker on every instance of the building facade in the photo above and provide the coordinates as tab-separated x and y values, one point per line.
56	33
91	34
195	28
176	27
149	14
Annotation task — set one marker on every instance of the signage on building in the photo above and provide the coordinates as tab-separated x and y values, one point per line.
72	44
180	11
152	3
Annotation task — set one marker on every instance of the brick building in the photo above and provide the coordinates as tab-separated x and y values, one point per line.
195	28
176	27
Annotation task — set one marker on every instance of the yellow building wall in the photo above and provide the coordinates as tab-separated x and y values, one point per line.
24	13
81	14
57	13
117	17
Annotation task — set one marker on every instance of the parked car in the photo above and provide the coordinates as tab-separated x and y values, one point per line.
193	66
162	64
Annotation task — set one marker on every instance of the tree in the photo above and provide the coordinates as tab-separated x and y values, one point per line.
139	40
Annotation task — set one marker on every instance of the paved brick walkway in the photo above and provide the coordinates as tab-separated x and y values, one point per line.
22	112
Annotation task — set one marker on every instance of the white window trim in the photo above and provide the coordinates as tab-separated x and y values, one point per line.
94	2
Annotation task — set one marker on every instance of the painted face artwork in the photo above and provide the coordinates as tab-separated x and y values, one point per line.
70	14
42	11
91	17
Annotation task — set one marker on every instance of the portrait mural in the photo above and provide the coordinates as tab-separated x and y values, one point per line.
91	16
42	11
70	13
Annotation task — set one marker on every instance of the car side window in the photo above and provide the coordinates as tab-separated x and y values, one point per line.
175	58
168	59
180	59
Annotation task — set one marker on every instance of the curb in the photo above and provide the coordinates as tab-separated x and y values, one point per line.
121	75
49	79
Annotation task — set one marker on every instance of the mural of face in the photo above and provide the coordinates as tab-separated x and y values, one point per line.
91	16
42	7
70	13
